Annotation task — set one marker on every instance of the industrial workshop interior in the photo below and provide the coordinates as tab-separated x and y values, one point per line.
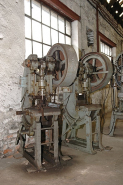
61	92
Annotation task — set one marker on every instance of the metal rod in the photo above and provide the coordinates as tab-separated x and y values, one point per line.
97	21
100	72
47	143
49	128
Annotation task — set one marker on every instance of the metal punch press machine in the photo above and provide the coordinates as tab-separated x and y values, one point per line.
56	93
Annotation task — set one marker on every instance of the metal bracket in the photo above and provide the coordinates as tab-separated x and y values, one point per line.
23	82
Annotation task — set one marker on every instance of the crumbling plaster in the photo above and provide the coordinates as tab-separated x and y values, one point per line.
11	56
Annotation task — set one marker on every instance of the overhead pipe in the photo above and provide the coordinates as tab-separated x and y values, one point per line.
97	24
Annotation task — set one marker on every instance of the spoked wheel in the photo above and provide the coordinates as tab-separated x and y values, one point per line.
66	65
60	64
101	69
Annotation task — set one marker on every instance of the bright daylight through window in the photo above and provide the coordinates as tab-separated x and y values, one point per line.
44	28
107	50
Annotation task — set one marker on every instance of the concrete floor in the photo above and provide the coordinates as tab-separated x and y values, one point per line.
103	168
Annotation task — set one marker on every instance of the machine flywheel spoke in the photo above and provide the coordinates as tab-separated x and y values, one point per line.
99	68
57	55
102	72
94	62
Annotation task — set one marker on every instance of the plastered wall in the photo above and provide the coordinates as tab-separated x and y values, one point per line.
88	19
11	57
12	50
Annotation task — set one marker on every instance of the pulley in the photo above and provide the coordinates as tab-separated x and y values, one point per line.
66	64
101	69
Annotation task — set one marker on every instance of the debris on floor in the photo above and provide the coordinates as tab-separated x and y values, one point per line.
108	148
66	158
17	156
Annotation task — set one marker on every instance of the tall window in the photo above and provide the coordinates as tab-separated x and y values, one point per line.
107	50
44	28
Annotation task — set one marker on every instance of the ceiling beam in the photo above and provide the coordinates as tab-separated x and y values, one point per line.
112	7
112	2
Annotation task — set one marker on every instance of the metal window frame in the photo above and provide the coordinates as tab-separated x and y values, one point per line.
58	14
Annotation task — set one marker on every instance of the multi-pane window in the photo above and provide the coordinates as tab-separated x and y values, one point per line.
44	28
107	50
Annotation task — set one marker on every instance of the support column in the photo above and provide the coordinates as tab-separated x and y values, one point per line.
89	146
64	130
56	154
38	146
98	135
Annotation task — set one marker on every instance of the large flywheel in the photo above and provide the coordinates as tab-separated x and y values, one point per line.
101	69
66	64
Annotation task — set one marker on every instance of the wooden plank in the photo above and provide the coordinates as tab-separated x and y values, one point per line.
62	9
106	40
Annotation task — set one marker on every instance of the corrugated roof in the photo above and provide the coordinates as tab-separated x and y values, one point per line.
115	7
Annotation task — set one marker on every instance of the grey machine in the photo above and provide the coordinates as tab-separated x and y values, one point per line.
56	93
94	73
117	112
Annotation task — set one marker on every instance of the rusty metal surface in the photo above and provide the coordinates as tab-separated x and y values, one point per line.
20	112
40	108
46	111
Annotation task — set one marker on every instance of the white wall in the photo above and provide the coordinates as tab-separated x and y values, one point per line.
11	57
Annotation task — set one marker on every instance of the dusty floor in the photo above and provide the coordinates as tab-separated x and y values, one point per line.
103	168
